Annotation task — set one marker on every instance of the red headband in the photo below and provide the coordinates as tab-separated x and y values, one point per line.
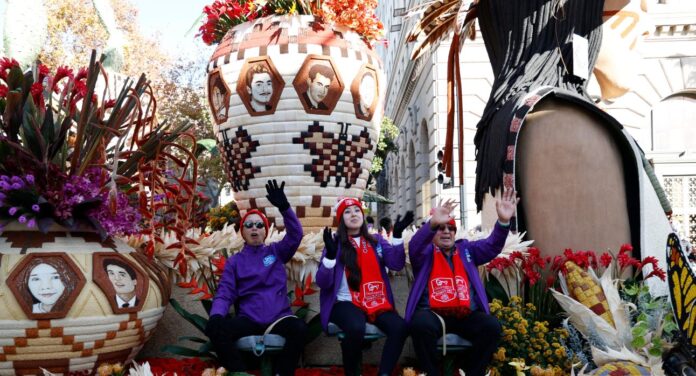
344	204
256	211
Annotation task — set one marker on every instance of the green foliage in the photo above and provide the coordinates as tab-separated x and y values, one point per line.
385	145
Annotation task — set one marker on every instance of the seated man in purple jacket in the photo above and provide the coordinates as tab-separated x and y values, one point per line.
255	282
447	284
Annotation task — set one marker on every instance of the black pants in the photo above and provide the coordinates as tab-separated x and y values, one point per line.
351	320
482	329
294	331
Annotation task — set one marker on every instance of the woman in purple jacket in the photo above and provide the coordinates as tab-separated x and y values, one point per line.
355	287
255	282
447	284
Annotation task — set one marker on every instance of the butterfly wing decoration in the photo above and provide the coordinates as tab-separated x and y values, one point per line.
682	285
338	154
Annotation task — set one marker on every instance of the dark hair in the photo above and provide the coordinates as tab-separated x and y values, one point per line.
120	264
348	253
67	277
322	69
385	223
370	220
255	69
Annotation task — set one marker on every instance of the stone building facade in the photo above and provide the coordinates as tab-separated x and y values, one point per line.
658	111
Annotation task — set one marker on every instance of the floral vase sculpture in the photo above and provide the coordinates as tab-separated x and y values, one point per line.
61	297
73	296
296	100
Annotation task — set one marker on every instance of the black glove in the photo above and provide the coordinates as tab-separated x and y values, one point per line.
214	325
276	195
330	244
401	224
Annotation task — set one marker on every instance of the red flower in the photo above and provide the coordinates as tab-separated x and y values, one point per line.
5	65
3	91
605	259
656	270
37	94
626	248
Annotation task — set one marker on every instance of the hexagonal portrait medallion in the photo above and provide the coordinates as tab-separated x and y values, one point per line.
365	92
46	284
259	86
318	85
123	283
218	97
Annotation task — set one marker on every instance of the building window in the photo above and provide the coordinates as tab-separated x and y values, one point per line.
681	192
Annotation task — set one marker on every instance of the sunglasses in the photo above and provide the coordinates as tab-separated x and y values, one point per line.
450	227
258	225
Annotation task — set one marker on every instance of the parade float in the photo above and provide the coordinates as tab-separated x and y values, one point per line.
584	182
296	92
79	168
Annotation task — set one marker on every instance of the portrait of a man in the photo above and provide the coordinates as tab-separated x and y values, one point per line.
124	281
123	284
218	97
318	85
365	93
259	86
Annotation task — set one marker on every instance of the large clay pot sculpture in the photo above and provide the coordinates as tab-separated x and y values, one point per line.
72	302
300	101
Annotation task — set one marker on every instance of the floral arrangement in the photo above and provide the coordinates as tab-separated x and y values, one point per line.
526	342
358	15
72	155
221	216
520	282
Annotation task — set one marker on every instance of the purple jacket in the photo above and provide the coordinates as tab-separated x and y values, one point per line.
420	252
329	280
255	280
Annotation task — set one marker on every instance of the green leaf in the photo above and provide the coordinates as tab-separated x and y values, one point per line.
193	339
655	351
495	290
197	320
638	342
15	79
183	351
631	290
207	144
314	328
207	305
639	330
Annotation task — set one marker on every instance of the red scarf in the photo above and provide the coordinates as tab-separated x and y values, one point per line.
449	292
372	297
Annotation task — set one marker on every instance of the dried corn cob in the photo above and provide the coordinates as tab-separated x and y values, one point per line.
587	291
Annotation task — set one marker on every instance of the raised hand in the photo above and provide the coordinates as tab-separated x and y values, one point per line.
506	205
442	214
330	244
276	195
401	224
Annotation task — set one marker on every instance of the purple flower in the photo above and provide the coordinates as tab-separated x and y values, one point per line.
13	210
2	196
30	178
35	208
4	178
159	197
22	219
17	185
31	223
16	179
5	185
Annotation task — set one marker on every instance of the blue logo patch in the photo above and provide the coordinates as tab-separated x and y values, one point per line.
269	260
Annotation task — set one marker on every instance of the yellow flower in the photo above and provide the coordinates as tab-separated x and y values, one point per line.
118	368
105	370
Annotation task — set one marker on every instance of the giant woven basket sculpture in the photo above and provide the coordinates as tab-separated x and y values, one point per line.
61	301
299	101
